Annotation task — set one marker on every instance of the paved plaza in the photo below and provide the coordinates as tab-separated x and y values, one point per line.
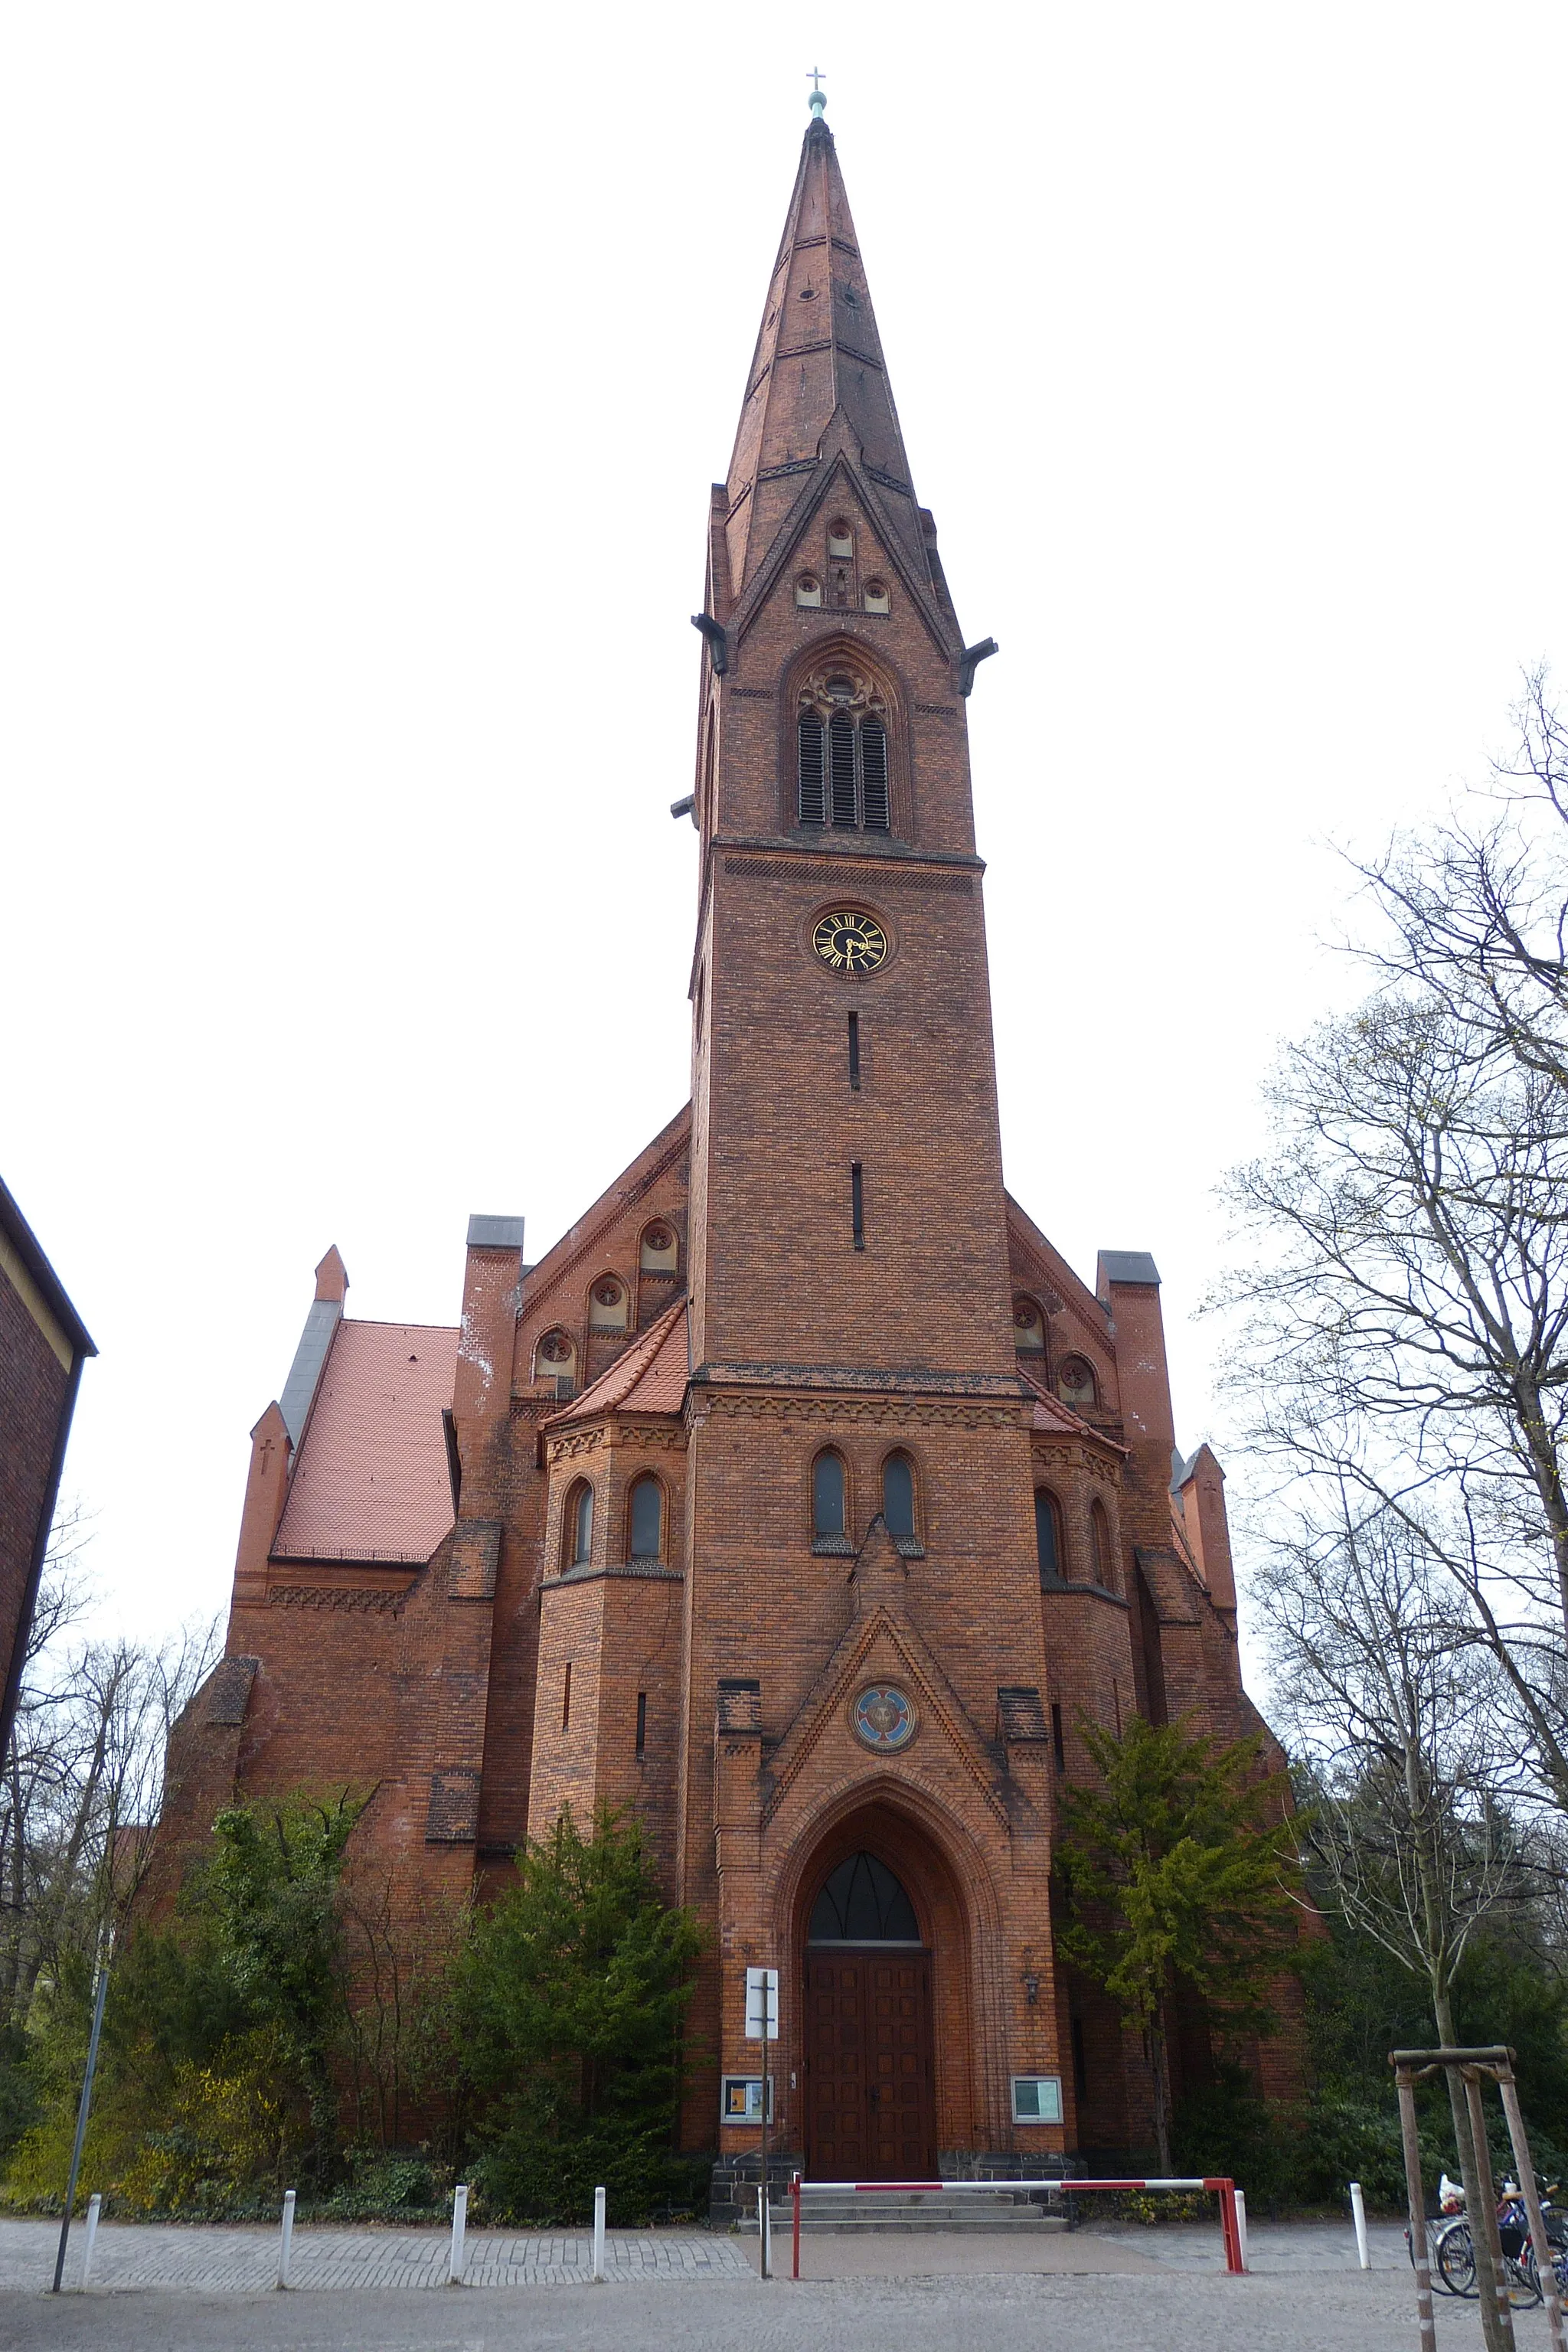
1098	2289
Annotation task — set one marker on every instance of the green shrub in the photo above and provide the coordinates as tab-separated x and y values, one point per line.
568	2002
19	2103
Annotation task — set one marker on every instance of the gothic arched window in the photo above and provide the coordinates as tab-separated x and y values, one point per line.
579	1525
1075	1383
556	1357
827	1495
1028	1328
841	756
645	1520
659	1250
1049	1541
609	1304
899	1495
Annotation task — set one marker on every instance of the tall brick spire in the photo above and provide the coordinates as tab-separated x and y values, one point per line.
818	356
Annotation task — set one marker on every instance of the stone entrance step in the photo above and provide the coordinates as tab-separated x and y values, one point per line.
914	2209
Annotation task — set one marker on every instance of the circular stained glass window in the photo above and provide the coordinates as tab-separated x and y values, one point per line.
884	1718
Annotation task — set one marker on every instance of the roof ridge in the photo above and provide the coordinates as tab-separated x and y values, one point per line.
393	1323
617	1380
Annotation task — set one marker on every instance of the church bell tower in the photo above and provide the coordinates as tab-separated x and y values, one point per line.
862	1580
847	1164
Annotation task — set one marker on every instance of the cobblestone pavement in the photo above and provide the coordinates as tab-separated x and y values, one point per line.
232	2261
1099	2290
224	2261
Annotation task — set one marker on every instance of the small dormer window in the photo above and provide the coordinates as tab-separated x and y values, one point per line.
876	599
840	540
809	589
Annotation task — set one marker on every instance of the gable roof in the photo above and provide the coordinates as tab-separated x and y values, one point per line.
370	1481
586	1235
650	1377
20	1244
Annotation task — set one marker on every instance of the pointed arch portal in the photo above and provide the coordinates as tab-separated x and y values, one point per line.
869	2014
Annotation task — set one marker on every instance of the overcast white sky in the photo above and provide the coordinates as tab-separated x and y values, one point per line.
366	369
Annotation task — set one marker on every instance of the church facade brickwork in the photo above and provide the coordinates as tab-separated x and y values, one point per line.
801	1500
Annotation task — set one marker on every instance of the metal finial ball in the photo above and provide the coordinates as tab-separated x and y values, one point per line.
818	104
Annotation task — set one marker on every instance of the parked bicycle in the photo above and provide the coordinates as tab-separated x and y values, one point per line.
1453	2252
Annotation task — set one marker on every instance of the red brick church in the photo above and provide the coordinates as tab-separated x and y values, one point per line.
801	1497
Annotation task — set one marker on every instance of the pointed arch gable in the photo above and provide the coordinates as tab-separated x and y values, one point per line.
842	474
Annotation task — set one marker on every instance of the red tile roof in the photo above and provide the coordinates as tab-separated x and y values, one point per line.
649	1377
371	1481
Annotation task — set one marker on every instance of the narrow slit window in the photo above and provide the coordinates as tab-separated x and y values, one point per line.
855	1053
580	1527
899	1495
874	775
642	1722
841	766
1104	1550
647	1520
1058	1746
566	1698
1048	1537
827	1495
812	787
857	1203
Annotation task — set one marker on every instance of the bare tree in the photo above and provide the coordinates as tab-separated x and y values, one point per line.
1480	911
1397	1716
1404	1322
82	1778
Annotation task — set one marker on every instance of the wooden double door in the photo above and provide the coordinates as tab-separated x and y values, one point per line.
870	2100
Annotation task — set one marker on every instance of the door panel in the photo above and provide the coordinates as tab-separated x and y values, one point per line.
870	2109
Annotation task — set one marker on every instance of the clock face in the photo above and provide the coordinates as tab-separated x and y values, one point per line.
851	941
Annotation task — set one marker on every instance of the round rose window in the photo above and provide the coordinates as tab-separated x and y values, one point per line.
884	1718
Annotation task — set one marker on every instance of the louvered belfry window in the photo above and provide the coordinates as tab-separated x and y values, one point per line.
813	783
842	757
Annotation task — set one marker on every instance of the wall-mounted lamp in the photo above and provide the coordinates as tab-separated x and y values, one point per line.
1031	1984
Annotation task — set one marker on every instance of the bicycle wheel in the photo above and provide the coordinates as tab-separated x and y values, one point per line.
1524	2280
1455	2265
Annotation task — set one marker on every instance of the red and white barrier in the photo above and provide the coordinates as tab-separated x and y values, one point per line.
1224	2189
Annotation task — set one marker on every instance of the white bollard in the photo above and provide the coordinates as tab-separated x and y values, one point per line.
459	2229
93	2203
1358	2215
286	2239
598	2272
1241	2224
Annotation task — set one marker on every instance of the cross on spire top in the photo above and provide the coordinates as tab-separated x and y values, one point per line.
818	100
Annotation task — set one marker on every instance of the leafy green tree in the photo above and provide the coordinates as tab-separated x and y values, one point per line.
268	1895
224	2033
569	1998
1178	1869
